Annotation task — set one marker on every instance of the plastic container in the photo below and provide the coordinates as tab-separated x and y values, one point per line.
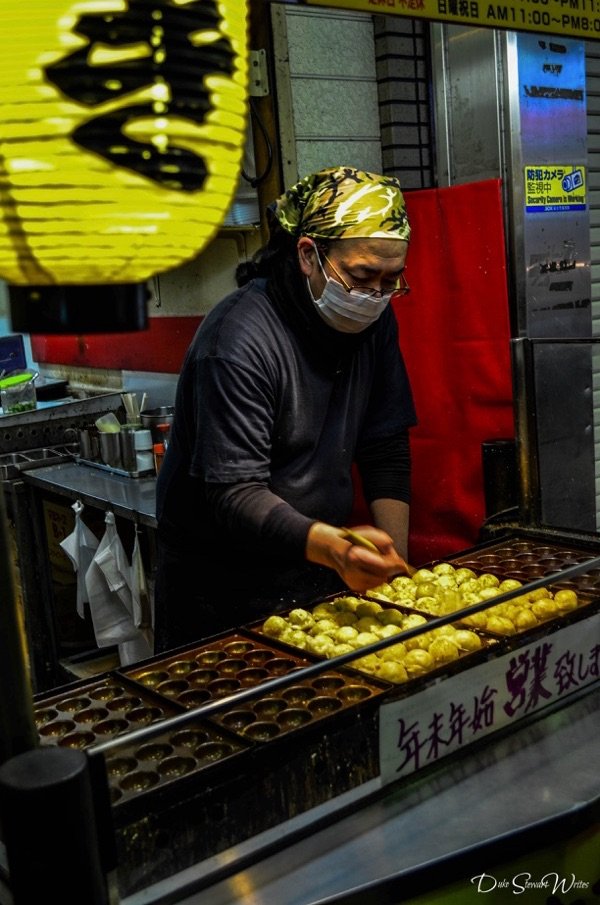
144	454
108	423
144	460
143	440
17	393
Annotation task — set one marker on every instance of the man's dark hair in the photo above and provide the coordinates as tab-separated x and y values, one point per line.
266	260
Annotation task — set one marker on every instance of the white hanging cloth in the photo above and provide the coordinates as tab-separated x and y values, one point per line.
108	583
143	616
80	546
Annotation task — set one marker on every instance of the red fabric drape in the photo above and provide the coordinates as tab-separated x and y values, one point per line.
454	335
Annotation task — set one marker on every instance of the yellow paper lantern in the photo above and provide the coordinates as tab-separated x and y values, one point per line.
122	129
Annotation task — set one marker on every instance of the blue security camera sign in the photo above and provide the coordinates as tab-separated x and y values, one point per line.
554	188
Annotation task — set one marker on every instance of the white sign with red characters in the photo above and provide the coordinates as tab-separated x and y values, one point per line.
422	728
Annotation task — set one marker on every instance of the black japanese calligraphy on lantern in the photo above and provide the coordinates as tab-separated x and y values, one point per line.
151	43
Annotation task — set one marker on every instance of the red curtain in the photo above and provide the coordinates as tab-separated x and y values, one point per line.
454	335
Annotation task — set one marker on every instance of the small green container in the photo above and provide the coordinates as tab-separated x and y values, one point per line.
17	393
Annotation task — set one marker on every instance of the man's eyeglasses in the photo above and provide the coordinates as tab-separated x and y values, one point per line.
401	288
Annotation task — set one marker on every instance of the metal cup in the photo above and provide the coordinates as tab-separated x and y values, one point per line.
110	449
128	457
85	444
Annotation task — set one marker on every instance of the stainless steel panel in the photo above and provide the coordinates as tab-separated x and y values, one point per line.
552	135
465	66
564	406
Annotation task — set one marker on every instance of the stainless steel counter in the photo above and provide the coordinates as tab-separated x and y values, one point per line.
133	498
518	787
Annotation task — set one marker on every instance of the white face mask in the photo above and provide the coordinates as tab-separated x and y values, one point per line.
349	311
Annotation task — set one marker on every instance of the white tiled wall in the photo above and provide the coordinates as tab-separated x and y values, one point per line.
326	90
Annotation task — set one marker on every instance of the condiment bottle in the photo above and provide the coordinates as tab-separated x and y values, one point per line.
159	454
164	431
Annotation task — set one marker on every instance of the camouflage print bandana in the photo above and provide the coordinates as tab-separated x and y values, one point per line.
344	203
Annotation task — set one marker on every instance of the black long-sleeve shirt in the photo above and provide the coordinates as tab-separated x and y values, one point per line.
267	427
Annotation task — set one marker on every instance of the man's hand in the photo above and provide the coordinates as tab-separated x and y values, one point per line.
359	568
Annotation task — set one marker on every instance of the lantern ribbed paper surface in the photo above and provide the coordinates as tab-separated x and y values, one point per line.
122	129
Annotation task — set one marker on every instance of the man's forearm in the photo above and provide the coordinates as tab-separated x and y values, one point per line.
393	516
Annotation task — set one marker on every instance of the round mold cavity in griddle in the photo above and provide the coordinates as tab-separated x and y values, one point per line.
488	559
143	716
582	556
267	708
352	694
327	683
523	545
237	720
534	571
106	692
44	716
72	705
125	702
154	751
77	740
189	738
91	715
237	648
298	694
120	766
111	727
258	657
527	557
139	780
202	677
231	666
181	667
543	551
194	697
222	687
323	705
172	688
210	752
176	766
569	559
588	584
293	718
281	666
262	731
210	657
569	585
153	677
508	565
252	676
550	563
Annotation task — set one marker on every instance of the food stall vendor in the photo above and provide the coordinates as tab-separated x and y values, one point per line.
291	380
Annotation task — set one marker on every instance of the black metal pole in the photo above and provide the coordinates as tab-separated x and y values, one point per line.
49	827
17	725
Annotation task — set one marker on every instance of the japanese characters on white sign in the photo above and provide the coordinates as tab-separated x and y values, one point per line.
422	728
